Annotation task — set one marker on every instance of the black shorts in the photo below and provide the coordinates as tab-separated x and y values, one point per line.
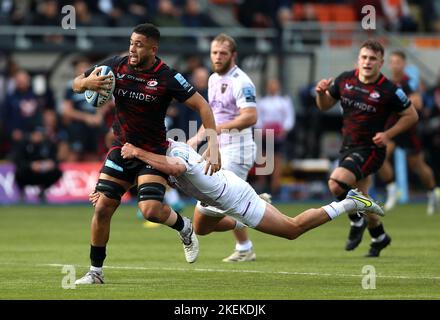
409	141
367	159
126	169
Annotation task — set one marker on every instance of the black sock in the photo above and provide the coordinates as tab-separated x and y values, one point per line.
179	223
97	256
376	232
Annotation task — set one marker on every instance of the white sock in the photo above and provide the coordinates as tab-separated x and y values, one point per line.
96	269
335	209
186	226
391	188
239	225
245	246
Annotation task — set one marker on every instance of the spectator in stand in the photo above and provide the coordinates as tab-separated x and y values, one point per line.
84	123
15	12
431	15
193	16
398	16
49	14
36	163
275	112
21	113
56	134
168	14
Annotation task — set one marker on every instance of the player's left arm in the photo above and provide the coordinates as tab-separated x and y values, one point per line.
199	104
408	118
416	100
247	118
172	166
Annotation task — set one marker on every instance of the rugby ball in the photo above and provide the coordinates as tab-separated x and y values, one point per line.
96	99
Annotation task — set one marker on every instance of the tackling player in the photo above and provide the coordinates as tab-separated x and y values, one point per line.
240	203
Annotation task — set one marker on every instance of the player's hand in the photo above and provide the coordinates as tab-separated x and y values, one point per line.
192	142
97	83
213	159
128	151
94	197
323	85
381	139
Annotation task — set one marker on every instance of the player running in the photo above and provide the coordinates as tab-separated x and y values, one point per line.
367	100
145	86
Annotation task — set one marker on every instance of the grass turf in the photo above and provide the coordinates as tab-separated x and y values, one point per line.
36	241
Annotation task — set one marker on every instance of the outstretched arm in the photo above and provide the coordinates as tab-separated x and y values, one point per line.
172	166
324	100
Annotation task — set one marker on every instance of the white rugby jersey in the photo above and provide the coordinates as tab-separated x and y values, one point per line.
216	190
227	94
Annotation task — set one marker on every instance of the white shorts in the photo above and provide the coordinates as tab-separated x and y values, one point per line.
239	159
247	208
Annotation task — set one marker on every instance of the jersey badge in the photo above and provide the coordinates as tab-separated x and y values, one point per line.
224	87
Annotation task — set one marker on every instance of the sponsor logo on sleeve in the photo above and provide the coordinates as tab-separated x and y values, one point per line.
185	84
402	96
249	94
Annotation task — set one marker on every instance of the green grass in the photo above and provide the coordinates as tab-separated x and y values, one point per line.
149	264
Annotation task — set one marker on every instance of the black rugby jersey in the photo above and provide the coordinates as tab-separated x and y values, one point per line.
142	99
366	107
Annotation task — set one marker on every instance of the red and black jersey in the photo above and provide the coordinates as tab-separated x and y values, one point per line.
142	99
366	107
404	84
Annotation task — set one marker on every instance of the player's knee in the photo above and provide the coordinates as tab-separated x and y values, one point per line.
334	187
151	210
338	188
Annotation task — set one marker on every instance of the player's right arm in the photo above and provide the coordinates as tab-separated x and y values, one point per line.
171	166
92	82
324	99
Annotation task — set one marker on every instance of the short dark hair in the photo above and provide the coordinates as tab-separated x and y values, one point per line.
148	30
374	45
399	53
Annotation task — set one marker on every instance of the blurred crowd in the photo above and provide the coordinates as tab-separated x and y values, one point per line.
72	130
395	15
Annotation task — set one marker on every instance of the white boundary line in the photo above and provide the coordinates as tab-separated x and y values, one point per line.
318	274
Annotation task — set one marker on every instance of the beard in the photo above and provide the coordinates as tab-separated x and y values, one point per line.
224	68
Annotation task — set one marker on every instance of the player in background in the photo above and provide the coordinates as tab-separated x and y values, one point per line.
236	198
145	86
409	141
232	97
367	100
